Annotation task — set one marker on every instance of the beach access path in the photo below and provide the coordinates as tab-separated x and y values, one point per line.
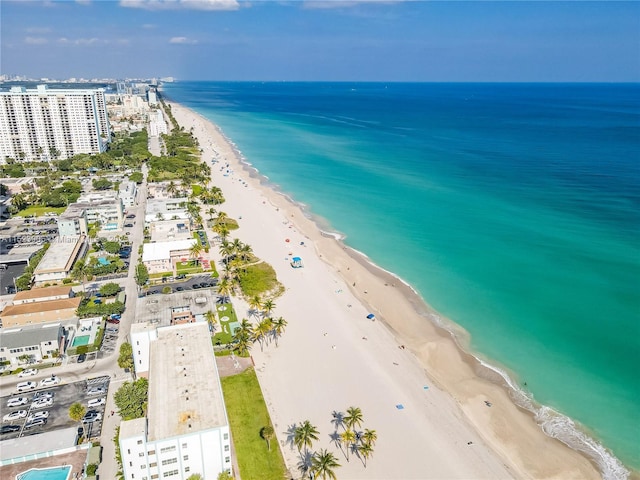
332	356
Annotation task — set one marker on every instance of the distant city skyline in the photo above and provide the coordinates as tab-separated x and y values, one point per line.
333	40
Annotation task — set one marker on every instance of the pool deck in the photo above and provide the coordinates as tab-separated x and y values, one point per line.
75	459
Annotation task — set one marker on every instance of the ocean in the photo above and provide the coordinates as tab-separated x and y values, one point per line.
513	209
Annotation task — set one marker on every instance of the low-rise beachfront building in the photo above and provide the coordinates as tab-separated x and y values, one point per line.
128	192
104	208
159	209
19	184
161	257
45	294
170	230
73	221
36	342
59	259
186	430
33	313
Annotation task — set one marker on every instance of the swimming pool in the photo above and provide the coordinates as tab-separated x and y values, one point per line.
81	340
53	473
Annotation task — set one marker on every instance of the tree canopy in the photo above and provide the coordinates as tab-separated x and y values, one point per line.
131	399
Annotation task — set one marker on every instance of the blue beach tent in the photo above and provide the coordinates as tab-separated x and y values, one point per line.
296	262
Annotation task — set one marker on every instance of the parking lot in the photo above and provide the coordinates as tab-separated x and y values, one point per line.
186	284
64	395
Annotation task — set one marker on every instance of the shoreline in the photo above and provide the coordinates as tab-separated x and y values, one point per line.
436	343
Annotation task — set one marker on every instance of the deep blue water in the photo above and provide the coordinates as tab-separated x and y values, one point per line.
514	209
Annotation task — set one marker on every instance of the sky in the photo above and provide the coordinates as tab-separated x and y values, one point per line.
328	40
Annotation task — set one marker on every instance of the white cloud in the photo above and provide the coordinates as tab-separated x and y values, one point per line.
35	40
344	3
38	30
181	4
82	42
183	41
149	26
84	2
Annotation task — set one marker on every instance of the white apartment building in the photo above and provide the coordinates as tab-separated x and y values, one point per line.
186	430
159	209
44	124
157	125
72	222
161	257
104	207
59	259
127	192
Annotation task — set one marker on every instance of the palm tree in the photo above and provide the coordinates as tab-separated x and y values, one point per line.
268	306
196	250
254	303
348	438
262	330
226	250
278	325
365	450
212	213
224	289
305	435
222	217
323	465
211	317
237	245
353	418
267	433
243	340
369	437
172	188
245	252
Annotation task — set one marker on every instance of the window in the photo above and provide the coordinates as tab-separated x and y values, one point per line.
184	445
169	461
227	459
185	458
139	442
152	452
142	467
141	454
172	448
154	464
226	448
226	436
186	469
154	476
170	474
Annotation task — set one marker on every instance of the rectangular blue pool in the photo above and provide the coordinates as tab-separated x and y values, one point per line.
53	473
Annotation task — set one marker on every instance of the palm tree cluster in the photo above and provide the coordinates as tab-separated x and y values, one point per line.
235	255
264	331
321	464
359	442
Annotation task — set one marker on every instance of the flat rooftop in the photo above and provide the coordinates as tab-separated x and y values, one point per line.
156	309
162	250
60	255
43	442
185	394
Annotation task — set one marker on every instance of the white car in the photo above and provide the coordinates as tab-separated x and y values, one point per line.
40	395
96	402
37	415
17	402
28	372
42	403
49	381
26	386
93	391
14	415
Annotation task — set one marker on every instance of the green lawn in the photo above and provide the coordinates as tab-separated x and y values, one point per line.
223	332
188	267
247	415
40	210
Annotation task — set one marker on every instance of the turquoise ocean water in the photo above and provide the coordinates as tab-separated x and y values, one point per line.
513	209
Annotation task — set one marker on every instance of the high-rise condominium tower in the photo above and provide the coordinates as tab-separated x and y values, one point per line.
48	124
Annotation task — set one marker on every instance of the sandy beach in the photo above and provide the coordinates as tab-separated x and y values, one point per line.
425	397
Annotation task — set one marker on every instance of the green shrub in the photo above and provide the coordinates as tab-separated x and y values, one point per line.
82	349
91	469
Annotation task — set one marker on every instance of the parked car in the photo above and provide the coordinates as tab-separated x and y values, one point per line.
179	289
82	357
25	386
36	415
28	372
17	402
94	391
50	381
131	215
181	276
115	321
97	402
91	416
42	403
38	422
41	395
9	429
128	225
18	414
